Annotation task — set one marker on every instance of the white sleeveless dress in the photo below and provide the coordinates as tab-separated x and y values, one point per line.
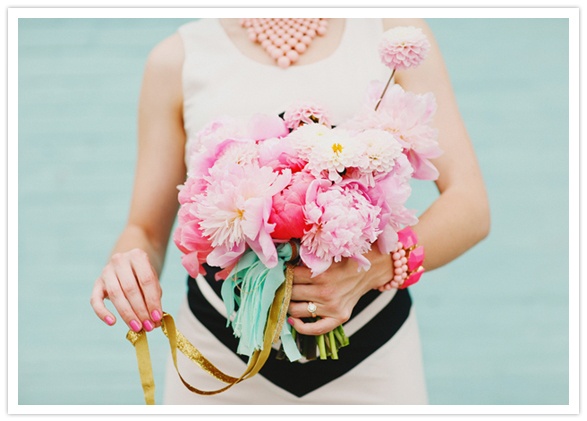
219	80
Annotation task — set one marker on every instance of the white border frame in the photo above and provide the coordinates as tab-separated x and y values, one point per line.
12	113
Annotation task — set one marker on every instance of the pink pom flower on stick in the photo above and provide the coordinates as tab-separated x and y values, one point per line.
402	48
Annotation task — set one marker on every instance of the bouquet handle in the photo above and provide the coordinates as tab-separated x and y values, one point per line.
277	313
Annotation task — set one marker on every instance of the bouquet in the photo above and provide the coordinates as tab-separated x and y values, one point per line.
265	193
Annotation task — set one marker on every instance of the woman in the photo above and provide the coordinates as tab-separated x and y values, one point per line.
210	67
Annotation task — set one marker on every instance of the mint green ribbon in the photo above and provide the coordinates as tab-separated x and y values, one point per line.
257	285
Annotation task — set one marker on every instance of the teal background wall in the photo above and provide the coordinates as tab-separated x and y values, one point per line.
494	323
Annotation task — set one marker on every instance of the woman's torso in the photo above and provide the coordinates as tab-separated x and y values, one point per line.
218	79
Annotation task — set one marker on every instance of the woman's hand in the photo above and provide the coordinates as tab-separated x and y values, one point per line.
130	279
336	291
131	283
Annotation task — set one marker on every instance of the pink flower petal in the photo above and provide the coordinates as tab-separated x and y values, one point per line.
263	126
223	257
363	262
423	168
387	239
192	264
316	264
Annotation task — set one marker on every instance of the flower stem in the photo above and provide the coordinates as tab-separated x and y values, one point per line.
321	347
345	340
333	345
385	90
338	336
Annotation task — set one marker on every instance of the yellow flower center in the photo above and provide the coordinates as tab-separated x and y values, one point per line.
337	148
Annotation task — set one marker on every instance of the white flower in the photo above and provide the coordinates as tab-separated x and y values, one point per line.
381	151
306	137
335	152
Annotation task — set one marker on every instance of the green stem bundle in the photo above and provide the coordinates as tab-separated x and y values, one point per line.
326	344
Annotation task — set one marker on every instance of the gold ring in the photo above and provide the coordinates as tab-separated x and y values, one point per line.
312	308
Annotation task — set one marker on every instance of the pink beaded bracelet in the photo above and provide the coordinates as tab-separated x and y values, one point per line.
407	261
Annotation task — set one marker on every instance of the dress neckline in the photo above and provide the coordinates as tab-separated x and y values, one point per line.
336	52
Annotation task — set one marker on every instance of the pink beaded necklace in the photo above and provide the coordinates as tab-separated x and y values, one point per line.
284	39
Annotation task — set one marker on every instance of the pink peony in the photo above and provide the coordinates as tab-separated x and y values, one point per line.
287	212
235	212
343	221
201	162
403	47
307	112
185	213
241	152
280	154
408	117
192	187
263	126
390	194
189	238
213	133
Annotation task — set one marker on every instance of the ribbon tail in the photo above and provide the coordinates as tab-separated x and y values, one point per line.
289	344
273	329
139	340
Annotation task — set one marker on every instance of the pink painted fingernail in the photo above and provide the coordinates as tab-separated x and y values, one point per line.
136	326
156	315
109	320
290	321
148	325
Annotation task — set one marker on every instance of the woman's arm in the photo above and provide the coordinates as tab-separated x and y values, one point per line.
455	222
131	277
459	218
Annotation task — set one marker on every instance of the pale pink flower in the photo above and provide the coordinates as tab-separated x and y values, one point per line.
241	152
343	222
402	168
190	189
403	47
201	162
390	193
408	117
280	154
235	212
185	213
263	126
213	133
307	112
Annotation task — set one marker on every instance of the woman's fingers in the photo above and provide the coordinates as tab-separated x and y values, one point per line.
300	309
319	327
132	290
131	283
149	285
302	275
118	298
97	302
303	292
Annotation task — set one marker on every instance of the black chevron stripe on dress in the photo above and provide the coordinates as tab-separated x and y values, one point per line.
301	379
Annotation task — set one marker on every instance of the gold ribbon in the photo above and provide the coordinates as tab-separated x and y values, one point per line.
275	320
